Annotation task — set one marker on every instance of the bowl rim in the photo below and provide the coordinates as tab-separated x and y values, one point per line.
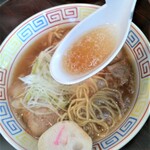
145	115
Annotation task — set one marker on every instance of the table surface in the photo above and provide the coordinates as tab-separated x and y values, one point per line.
13	12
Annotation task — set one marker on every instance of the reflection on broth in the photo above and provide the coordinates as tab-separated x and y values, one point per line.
97	105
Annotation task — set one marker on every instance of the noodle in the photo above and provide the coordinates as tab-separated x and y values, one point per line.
86	107
85	111
93	104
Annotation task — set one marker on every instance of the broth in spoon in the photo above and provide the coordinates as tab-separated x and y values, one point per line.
91	50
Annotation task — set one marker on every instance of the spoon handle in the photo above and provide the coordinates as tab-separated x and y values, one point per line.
123	7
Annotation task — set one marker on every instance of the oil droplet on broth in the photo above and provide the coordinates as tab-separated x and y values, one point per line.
92	49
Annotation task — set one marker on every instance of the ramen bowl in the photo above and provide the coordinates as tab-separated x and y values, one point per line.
11	50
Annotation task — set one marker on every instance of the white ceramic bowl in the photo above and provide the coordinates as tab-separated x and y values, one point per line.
32	28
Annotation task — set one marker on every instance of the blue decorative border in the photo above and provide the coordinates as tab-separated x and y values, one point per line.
32	27
115	138
7	119
132	39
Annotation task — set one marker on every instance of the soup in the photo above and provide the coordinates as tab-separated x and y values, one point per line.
97	105
91	50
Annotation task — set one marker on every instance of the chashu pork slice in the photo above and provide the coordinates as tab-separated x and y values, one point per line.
65	135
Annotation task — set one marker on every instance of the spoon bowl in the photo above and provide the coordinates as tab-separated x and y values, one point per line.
114	12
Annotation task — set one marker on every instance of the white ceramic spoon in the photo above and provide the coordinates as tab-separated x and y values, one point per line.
116	12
